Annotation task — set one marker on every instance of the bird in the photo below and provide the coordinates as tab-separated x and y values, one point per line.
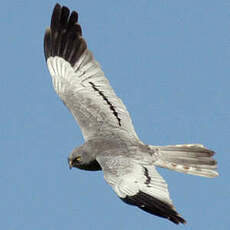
111	143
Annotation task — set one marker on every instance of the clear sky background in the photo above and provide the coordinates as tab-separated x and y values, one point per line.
167	60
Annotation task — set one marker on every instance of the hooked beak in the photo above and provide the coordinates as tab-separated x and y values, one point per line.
70	163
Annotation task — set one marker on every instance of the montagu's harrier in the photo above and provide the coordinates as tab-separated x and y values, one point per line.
111	143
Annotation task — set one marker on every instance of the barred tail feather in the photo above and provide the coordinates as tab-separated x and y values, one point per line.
192	159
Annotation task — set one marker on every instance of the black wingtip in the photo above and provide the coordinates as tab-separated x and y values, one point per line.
154	206
64	37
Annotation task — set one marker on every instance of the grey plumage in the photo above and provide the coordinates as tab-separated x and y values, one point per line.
111	143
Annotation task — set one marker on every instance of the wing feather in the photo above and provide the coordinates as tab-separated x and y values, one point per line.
139	185
80	82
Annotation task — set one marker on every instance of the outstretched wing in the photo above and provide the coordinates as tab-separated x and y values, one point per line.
80	82
139	185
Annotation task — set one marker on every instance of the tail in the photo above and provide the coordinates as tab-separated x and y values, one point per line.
192	159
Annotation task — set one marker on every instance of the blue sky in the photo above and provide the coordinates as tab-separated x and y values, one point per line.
167	60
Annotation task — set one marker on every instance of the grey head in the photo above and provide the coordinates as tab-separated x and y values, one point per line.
82	158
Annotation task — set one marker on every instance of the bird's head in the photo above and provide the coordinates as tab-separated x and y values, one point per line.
82	159
78	157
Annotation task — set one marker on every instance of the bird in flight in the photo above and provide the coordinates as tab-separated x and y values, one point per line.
111	143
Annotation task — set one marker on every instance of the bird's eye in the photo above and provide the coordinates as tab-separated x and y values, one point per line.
78	158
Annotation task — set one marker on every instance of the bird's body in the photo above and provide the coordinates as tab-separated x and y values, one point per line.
111	143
